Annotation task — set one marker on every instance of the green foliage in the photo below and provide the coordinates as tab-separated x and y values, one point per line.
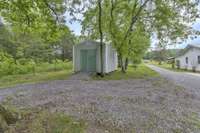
25	70
154	55
33	32
140	43
167	66
12	80
129	25
194	120
41	18
9	66
54	123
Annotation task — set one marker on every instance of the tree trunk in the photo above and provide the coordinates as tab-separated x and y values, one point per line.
101	37
63	54
122	65
119	61
160	62
173	63
126	63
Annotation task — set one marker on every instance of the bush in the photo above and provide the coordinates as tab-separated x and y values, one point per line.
13	120
9	66
54	66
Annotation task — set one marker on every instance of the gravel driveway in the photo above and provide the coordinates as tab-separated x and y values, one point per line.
191	81
125	106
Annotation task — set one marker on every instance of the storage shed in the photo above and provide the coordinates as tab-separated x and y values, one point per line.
86	57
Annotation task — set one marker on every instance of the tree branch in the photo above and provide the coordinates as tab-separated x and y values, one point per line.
112	19
52	9
135	18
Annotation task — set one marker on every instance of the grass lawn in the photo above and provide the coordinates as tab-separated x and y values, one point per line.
43	73
142	71
11	80
167	66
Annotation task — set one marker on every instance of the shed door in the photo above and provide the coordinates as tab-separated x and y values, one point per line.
83	60
88	60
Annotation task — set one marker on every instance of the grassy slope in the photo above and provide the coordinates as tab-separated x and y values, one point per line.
12	80
141	72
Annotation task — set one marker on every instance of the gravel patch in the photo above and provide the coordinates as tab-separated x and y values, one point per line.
124	106
188	80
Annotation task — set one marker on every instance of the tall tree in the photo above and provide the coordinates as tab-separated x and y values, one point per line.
123	18
101	35
34	26
40	17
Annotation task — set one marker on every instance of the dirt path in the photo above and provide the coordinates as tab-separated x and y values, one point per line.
191	81
124	106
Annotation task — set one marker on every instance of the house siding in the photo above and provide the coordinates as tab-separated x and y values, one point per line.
192	55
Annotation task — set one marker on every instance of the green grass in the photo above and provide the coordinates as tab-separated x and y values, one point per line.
7	68
47	67
194	120
167	66
45	73
40	121
142	71
51	123
12	80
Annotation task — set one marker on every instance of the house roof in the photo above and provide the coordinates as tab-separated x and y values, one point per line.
183	51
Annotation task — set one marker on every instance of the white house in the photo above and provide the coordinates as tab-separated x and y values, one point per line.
86	57
189	58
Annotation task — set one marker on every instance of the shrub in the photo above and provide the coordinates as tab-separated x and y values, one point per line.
41	121
9	66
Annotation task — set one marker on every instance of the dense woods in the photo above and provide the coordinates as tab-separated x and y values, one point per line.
21	54
33	40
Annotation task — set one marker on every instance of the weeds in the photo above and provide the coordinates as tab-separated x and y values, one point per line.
39	121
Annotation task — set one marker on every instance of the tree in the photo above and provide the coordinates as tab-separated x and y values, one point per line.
160	52
101	35
98	25
43	18
6	41
65	45
35	27
121	20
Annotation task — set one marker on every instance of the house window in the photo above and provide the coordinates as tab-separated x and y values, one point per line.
198	59
186	60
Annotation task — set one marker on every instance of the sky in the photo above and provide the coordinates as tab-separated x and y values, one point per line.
76	27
